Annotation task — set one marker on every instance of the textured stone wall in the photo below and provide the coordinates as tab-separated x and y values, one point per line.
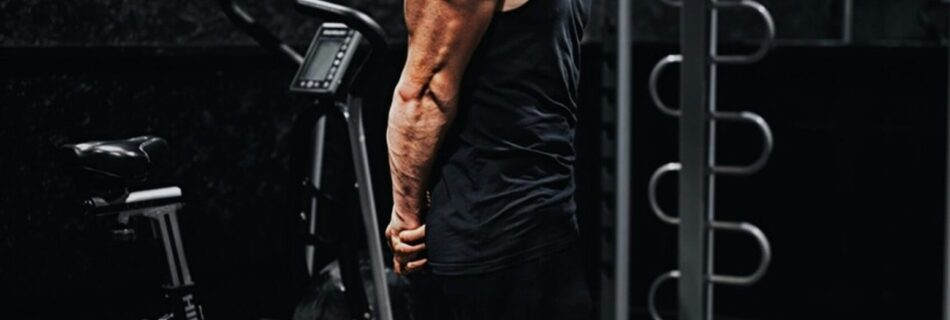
162	23
200	23
809	20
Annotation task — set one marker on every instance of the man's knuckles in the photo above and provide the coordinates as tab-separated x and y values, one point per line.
402	249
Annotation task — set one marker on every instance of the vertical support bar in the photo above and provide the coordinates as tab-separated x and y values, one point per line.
164	233
847	20
946	243
172	217
710	183
354	121
624	123
694	155
314	179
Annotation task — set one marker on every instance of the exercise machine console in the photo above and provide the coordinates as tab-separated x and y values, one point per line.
327	60
335	72
330	73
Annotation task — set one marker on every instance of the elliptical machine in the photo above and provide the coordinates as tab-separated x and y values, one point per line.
335	72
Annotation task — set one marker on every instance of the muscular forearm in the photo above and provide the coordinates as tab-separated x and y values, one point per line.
415	130
442	36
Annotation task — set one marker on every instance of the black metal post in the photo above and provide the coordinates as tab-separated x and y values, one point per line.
694	152
847	21
314	177
946	247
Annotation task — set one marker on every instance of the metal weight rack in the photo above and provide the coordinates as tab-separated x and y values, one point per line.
697	168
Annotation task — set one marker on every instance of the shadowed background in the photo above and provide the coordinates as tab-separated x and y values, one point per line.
852	199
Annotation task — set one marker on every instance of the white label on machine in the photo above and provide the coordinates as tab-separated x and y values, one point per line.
153	194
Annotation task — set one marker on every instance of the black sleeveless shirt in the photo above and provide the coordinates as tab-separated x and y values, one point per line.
503	182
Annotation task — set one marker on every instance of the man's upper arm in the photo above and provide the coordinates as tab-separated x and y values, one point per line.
442	36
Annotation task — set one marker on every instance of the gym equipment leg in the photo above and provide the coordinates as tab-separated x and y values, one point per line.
352	112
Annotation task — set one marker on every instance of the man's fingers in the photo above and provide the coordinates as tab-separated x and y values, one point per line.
416	265
393	240
397	267
408	268
401	248
414	235
404	251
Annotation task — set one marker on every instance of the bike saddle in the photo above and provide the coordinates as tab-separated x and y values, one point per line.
127	159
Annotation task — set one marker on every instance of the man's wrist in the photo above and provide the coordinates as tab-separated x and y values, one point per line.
409	218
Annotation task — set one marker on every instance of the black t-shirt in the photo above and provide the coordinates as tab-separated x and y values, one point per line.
503	184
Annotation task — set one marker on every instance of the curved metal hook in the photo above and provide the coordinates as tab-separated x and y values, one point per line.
766	43
764	261
651	190
651	296
767	142
654	80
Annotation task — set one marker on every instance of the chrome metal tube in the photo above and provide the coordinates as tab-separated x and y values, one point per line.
353	112
624	148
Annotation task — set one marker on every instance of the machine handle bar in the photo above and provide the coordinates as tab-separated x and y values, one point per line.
267	39
355	19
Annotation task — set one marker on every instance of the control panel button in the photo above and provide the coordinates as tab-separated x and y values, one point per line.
336	62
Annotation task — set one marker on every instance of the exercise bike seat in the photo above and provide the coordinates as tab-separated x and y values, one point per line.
126	159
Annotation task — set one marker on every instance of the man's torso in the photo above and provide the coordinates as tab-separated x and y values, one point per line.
503	184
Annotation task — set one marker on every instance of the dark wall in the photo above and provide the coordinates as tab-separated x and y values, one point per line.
163	23
228	124
874	21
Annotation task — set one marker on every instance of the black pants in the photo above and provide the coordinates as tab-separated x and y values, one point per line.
550	288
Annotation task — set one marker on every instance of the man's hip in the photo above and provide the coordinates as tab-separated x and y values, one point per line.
552	286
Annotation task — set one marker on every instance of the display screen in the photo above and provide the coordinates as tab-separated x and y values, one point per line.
319	66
